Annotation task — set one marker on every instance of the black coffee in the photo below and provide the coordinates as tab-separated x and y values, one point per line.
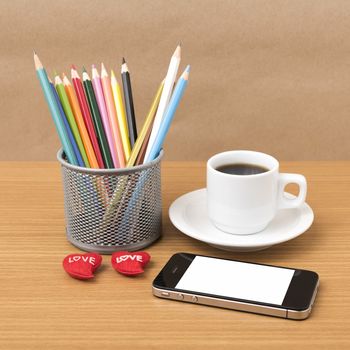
242	169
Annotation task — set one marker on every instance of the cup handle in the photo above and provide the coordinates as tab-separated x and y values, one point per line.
284	180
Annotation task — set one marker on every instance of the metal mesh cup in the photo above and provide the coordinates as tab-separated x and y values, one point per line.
112	209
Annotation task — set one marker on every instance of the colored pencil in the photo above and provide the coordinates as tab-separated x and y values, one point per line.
141	156
55	113
134	203
146	126
70	116
112	114
87	182
164	100
78	87
97	85
96	117
68	129
122	122
129	103
80	122
169	115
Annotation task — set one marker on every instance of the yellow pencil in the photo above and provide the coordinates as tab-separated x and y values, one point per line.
123	126
146	125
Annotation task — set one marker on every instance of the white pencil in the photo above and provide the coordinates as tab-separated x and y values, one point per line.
166	94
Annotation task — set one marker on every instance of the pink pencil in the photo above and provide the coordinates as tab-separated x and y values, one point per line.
96	83
107	92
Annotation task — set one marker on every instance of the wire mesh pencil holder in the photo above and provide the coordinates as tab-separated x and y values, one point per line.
107	210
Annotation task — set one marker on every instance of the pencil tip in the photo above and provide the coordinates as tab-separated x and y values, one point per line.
125	68
102	66
37	62
65	80
93	66
186	73
55	73
57	79
177	52
74	67
85	75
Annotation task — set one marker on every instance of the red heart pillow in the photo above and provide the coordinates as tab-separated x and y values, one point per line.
82	266
130	264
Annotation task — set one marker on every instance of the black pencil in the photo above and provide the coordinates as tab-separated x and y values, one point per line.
129	104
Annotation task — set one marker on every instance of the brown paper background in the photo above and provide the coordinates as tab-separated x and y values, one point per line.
266	75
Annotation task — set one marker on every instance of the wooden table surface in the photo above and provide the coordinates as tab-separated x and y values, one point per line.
41	307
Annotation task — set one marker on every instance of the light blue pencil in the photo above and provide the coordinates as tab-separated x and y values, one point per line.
169	115
55	113
135	202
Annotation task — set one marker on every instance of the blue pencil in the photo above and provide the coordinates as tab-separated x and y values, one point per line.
134	205
169	115
55	113
68	129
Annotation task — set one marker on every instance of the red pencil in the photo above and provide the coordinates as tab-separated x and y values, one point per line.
78	87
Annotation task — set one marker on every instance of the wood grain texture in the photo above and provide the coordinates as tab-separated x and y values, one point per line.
43	308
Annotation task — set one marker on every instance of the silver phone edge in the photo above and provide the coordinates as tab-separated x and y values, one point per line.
236	305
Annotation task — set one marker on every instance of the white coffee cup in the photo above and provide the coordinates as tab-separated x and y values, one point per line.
245	204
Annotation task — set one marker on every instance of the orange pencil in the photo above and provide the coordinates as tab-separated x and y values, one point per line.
80	122
112	114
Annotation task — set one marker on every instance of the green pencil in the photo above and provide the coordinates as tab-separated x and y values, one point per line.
96	117
70	116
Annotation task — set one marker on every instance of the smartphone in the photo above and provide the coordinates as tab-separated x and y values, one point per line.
238	285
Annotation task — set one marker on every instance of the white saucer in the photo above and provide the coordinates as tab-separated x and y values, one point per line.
188	213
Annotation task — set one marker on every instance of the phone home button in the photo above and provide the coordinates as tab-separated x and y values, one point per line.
194	299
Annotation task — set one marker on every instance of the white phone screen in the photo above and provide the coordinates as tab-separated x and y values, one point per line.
237	280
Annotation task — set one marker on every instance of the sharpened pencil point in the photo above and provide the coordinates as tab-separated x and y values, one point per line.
74	74
123	60
104	73
65	80
37	63
186	73
85	76
84	70
74	67
58	80
95	72
55	73
125	68
177	52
